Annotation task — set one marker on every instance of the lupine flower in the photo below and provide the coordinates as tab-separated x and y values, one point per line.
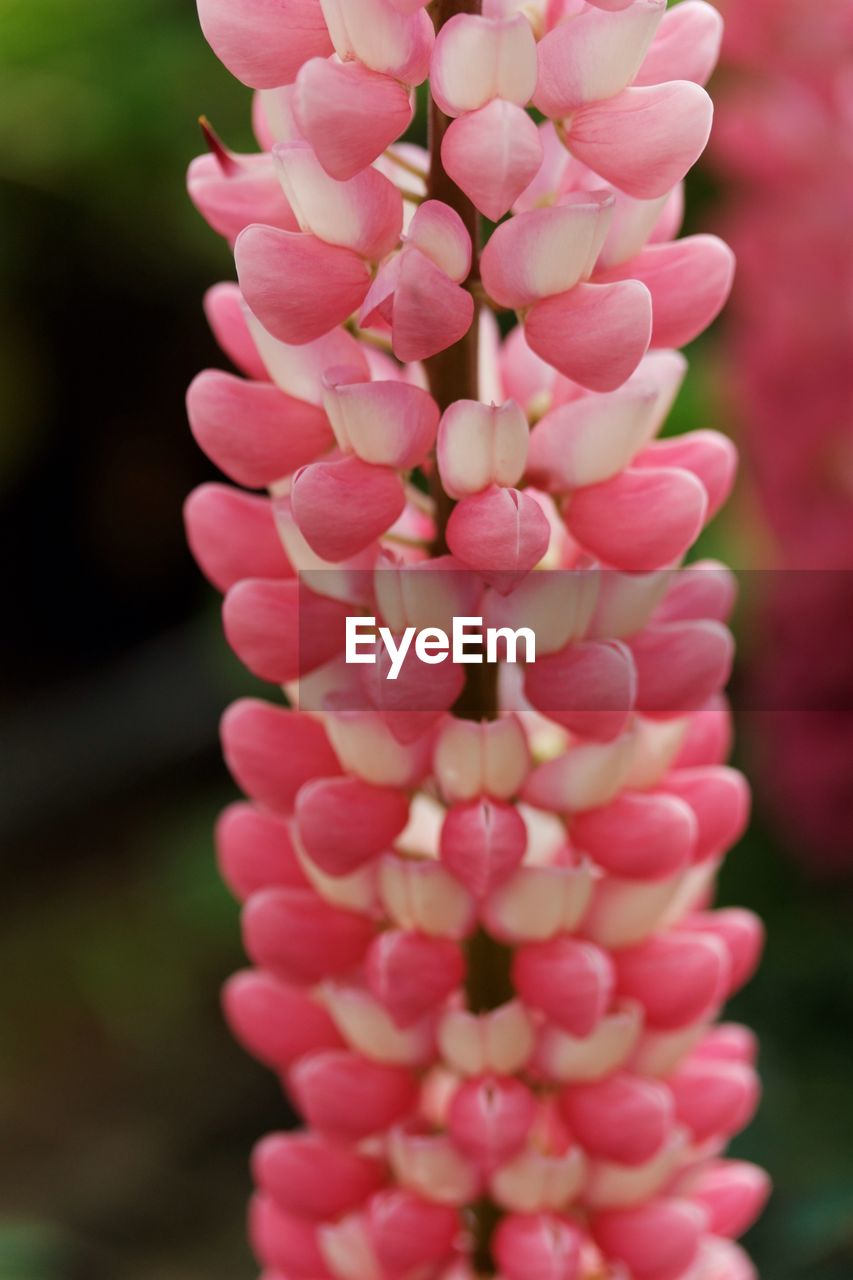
478	906
784	145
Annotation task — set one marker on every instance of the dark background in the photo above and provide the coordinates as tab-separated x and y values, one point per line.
126	1112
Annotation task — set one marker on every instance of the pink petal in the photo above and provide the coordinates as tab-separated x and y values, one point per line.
390	424
589	688
364	214
492	155
555	178
412	974
265	42
224	309
612	6
279	1239
558	605
728	1042
594	57
272	752
296	934
272	116
249	192
313	1178
539	1245
671	219
733	1193
299	371
477	59
481	445
591	439
623	1119
440	234
349	114
686	47
635	223
568	980
431	313
428	593
346	1097
639	836
282	630
344	822
382	37
741	932
341	507
612	519
680	665
709	736
408	1232
689	280
678	978
707	589
252	431
416	700
709	455
377	310
233	536
594	334
644	140
254	851
720	798
482	843
297	286
714	1099
657	1241
501	533
276	1023
526	378
724	1260
546	252
489	1119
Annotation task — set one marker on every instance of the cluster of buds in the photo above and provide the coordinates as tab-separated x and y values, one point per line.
478	903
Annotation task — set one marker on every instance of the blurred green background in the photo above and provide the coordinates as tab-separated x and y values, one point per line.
126	1112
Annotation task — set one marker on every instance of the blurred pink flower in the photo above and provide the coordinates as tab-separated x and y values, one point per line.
785	143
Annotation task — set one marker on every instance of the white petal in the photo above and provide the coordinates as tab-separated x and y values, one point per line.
565	1058
369	1029
625	912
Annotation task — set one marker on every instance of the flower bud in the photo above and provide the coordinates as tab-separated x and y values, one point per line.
570	981
482	842
548	1248
487	759
490	1118
312	1177
347	1098
481	445
344	822
412	974
624	1119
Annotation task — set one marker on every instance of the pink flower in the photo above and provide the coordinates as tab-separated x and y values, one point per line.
478	903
